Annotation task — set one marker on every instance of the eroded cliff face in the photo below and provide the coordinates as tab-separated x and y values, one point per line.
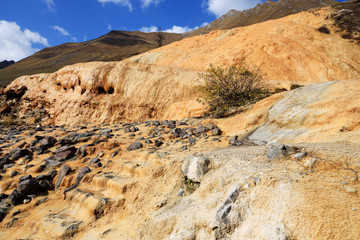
109	92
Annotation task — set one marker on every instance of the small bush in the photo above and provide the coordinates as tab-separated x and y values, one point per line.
235	86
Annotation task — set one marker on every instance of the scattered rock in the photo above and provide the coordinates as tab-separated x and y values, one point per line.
225	219
47	142
82	150
16	198
94	160
300	155
194	167
310	163
29	187
2	214
3	196
158	143
26	177
201	129
192	141
216	132
65	153
134	146
65	170
81	173
277	150
180	192
234	141
19	153
183	148
46	185
100	154
14	173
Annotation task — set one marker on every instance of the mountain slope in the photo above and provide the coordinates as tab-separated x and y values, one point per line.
261	13
160	83
114	46
6	63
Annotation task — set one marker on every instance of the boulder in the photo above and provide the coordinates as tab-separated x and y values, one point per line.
94	160
46	185
201	129
2	214
216	131
234	141
19	153
134	146
194	167
158	143
277	150
47	142
29	187
16	197
64	153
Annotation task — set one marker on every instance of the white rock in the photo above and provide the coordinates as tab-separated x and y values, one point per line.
194	167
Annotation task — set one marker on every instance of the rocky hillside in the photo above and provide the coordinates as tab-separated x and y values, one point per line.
123	152
260	13
187	179
114	46
160	83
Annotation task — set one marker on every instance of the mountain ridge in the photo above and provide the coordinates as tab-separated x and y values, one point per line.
113	46
108	47
260	13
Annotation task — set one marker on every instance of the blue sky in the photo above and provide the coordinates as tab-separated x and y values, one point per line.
27	26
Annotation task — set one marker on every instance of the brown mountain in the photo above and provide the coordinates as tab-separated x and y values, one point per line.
6	63
118	45
260	13
114	46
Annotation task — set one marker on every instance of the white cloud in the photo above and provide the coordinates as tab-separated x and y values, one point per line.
220	7
85	38
179	29
50	4
61	30
124	3
109	27
146	3
128	3
149	29
204	24
16	44
174	29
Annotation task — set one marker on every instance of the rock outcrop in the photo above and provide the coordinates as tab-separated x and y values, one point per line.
160	83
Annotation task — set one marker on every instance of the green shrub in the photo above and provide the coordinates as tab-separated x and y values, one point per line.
234	86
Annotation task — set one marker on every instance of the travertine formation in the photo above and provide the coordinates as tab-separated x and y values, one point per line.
160	83
286	167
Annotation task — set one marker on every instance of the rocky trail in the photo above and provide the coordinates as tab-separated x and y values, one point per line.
172	180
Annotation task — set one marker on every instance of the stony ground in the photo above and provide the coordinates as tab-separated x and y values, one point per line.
137	181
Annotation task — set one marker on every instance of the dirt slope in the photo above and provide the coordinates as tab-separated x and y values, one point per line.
289	49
